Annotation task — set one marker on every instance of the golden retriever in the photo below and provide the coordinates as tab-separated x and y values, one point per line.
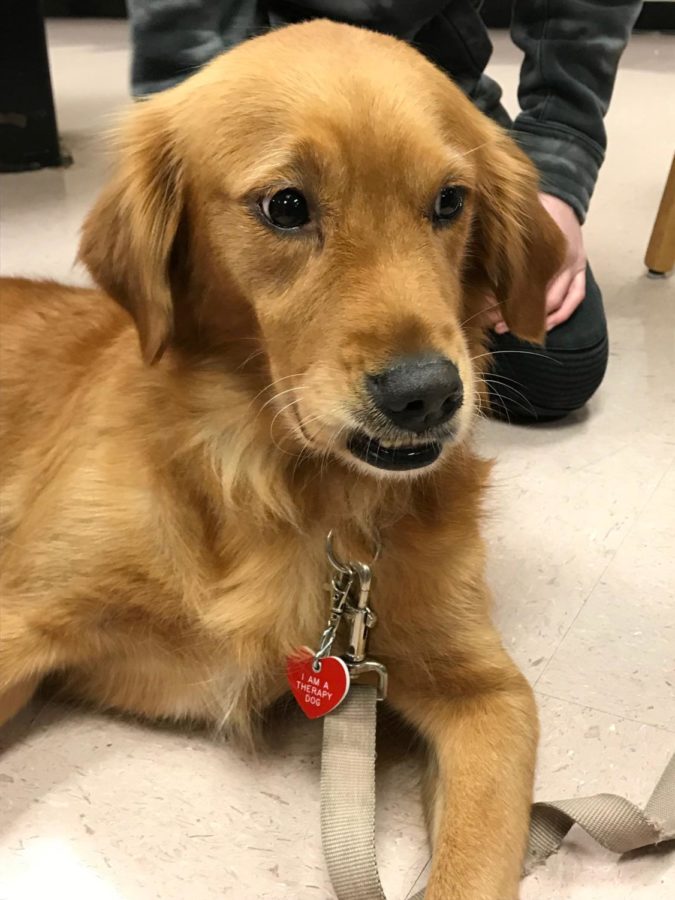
300	239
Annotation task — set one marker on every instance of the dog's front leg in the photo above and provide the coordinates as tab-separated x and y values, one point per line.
482	746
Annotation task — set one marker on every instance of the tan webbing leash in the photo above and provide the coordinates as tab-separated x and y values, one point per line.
320	682
348	806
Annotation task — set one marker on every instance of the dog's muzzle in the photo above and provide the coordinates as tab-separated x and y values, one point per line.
416	396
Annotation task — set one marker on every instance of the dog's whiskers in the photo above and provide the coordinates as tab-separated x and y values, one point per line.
272	423
272	384
493	374
309	448
489	398
281	394
474	149
494	384
249	359
481	312
526	352
329	447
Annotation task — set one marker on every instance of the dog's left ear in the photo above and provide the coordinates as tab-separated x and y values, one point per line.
128	237
516	247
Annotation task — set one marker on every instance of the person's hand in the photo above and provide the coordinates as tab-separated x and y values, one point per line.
568	288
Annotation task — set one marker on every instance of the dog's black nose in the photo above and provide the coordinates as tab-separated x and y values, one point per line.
417	392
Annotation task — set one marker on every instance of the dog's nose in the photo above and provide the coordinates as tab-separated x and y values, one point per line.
417	392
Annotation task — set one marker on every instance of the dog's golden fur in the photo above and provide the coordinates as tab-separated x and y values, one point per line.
164	511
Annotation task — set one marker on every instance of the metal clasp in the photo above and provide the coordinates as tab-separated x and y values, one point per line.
341	585
359	618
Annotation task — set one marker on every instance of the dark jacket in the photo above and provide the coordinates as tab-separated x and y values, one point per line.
571	54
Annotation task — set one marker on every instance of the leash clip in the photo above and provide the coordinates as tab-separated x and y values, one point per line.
359	618
341	585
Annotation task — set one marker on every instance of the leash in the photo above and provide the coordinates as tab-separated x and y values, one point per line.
348	807
322	685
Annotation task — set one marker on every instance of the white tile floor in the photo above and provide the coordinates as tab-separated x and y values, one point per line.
582	544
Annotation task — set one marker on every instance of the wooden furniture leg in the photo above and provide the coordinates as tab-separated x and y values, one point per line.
660	256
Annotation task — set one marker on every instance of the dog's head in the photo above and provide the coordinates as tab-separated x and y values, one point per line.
328	193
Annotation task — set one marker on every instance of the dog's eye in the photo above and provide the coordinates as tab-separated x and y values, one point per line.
286	209
449	203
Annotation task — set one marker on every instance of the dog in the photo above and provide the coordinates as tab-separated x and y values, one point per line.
288	336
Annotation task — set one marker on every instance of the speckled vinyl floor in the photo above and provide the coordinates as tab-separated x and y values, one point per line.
582	560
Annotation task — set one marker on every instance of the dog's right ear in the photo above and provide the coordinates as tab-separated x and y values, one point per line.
128	237
516	248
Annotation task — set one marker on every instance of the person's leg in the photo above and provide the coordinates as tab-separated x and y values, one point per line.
457	41
534	384
171	39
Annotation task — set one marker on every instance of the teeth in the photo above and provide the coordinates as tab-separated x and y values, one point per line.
399	445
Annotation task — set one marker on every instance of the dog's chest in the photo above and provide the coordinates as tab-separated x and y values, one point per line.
217	653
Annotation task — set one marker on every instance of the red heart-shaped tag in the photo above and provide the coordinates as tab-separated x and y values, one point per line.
317	692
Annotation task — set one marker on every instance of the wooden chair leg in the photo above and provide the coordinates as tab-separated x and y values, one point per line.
660	256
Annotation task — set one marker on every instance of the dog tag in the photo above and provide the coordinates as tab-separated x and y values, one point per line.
318	690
